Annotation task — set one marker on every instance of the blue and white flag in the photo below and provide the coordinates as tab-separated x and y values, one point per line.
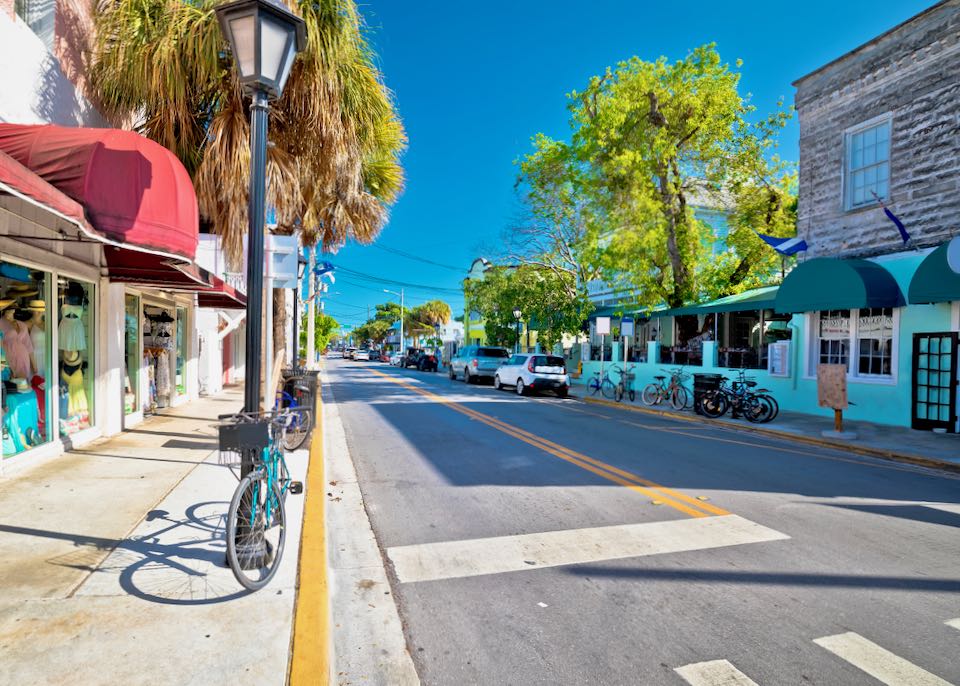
784	246
904	236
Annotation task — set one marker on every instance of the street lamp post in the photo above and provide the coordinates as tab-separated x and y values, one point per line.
301	264
400	294
516	315
264	38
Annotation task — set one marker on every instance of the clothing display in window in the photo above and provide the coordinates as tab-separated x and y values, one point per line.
71	374
72	334
17	344
38	336
163	374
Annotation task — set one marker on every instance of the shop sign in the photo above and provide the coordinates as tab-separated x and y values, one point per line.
835	328
603	326
832	386
777	356
878	326
626	327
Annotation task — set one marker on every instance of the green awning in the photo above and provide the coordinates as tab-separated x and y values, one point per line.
827	283
934	281
628	310
752	300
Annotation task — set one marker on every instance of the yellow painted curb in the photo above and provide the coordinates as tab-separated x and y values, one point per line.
310	654
787	436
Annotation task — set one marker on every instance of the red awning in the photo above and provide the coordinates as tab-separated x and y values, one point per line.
221	296
17	180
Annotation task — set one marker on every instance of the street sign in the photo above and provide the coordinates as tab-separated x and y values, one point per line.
626	327
603	326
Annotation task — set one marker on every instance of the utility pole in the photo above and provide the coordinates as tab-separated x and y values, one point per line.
385	290
312	309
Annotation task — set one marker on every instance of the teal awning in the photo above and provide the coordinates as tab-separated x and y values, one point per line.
934	281
627	310
826	283
752	300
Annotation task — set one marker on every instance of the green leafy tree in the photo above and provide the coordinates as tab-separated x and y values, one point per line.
375	330
324	330
421	320
388	312
649	140
542	295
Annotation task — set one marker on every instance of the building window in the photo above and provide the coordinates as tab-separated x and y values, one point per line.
875	341
39	16
75	341
131	377
867	165
834	337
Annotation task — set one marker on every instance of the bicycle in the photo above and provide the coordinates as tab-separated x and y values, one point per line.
300	422
675	392
256	520
605	386
757	407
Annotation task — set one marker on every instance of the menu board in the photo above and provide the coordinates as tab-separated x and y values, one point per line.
832	386
778	357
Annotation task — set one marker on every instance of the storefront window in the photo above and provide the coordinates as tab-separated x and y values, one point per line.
834	337
24	357
158	347
131	379
182	337
75	343
875	340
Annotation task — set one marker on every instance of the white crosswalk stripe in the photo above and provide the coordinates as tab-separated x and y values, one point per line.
714	673
955	623
878	662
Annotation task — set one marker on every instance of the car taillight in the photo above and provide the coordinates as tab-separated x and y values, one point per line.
530	365
474	363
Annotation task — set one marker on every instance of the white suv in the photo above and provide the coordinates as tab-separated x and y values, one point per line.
530	372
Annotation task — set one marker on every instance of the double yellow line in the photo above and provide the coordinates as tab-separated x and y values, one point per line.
678	501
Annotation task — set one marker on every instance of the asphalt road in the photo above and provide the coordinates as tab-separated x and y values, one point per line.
631	549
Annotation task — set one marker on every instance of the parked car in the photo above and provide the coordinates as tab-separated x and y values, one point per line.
528	372
384	356
395	358
476	362
361	355
427	361
410	357
348	353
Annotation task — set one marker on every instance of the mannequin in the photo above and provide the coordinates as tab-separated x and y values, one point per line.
38	334
71	374
17	344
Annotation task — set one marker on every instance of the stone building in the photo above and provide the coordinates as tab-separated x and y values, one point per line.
883	118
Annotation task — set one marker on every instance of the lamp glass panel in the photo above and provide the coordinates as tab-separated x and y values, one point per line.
273	44
287	64
243	31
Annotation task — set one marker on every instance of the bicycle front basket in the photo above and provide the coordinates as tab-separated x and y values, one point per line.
245	436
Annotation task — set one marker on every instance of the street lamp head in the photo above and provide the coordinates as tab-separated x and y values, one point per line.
517	313
301	265
264	37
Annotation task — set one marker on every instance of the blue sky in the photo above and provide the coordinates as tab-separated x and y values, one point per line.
475	80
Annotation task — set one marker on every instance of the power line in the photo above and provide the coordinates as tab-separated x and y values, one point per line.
378	279
354	284
417	258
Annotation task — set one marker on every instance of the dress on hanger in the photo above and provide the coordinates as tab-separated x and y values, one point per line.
72	334
38	335
163	373
18	347
72	376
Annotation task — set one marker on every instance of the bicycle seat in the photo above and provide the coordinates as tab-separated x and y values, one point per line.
751	384
659	378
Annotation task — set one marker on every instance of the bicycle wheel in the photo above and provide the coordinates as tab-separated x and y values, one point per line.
680	398
775	407
714	404
255	541
651	394
618	392
632	394
755	409
608	389
296	432
594	386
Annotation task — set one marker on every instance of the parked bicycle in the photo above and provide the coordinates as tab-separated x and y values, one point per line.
300	421
257	520
739	397
674	392
606	386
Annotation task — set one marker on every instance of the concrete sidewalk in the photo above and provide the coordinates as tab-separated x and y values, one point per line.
925	448
113	564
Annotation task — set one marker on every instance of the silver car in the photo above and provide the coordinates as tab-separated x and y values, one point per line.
475	362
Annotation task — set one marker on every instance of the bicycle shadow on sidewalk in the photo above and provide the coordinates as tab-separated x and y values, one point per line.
176	561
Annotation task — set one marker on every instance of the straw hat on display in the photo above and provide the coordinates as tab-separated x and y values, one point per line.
5	303
37	306
21	290
71	356
22	385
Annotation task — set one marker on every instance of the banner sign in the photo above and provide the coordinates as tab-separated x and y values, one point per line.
626	327
603	326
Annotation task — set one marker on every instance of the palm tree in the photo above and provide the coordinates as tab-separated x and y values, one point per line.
335	137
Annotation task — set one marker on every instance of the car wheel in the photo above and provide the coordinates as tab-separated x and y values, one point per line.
521	389
466	376
562	392
452	374
496	382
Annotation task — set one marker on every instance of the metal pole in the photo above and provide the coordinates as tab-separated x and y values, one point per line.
401	322
296	317
256	215
268	392
311	308
516	347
